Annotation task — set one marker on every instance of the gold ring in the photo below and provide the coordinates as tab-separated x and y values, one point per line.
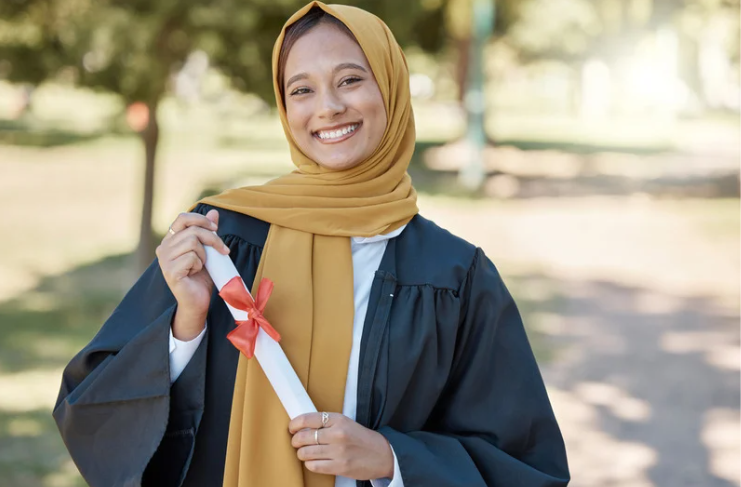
172	232
316	436
325	418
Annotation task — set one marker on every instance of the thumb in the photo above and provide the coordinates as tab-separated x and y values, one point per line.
213	215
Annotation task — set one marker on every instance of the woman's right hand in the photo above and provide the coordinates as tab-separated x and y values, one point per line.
182	260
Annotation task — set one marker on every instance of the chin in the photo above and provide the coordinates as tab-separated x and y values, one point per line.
338	164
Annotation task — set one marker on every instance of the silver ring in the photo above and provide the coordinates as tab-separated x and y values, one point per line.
325	418
316	436
172	232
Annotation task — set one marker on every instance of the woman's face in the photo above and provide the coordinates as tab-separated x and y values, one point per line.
334	108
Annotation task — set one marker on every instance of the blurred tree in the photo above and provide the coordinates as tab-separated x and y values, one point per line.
458	16
132	47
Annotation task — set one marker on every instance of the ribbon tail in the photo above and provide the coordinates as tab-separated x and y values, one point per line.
263	293
243	337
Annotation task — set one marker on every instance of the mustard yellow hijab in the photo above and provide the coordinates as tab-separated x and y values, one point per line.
313	212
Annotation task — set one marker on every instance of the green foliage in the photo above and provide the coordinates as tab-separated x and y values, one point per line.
130	47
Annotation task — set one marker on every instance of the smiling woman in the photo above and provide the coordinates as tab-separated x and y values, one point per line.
403	335
332	98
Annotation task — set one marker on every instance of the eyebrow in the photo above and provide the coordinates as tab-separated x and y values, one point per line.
336	69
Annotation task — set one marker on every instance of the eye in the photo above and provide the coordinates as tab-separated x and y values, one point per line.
299	91
351	80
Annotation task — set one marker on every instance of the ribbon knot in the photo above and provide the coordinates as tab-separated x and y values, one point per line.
244	335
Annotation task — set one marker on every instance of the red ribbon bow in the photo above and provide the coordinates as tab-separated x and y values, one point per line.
244	335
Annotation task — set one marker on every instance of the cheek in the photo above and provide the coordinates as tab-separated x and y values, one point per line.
297	118
379	116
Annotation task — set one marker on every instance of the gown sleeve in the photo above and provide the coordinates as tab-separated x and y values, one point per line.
493	424
114	404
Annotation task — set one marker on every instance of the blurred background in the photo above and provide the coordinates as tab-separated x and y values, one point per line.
591	147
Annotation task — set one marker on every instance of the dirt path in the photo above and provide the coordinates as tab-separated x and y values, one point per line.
648	387
636	306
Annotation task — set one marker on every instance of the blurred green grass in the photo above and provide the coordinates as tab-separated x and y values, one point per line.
43	329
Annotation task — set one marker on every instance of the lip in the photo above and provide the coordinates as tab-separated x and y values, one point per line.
339	139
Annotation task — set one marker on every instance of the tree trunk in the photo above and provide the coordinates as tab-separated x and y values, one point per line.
150	137
463	48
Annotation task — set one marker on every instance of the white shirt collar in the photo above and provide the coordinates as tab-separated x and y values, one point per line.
378	238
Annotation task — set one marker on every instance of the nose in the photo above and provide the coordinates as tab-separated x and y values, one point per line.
330	105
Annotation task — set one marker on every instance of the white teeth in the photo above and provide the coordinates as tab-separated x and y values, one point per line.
334	134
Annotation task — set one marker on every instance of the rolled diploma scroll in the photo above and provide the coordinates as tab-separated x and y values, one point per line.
268	352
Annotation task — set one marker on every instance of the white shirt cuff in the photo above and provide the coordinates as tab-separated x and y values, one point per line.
396	481
181	352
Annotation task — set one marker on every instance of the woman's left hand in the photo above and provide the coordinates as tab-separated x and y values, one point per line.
345	448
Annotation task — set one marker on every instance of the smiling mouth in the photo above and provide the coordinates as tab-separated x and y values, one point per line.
338	134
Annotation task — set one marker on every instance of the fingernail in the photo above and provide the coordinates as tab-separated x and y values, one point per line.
214	225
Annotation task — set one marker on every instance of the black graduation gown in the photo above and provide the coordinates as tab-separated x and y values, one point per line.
446	374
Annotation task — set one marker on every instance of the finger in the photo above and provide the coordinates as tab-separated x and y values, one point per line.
338	435
313	420
308	420
213	215
185	265
314	452
205	237
186	243
328	467
302	438
308	436
185	220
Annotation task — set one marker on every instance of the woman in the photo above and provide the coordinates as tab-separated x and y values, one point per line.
403	332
